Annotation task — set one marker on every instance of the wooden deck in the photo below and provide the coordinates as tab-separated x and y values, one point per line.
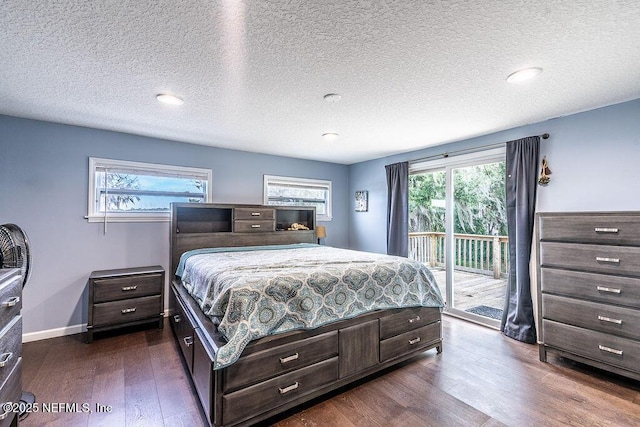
472	289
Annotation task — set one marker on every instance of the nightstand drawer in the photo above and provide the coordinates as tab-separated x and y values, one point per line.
409	341
10	346
10	298
115	312
407	319
255	226
125	287
254	214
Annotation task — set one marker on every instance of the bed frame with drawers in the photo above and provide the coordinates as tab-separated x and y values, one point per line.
279	372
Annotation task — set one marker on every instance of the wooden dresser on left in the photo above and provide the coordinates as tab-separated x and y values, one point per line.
10	344
125	297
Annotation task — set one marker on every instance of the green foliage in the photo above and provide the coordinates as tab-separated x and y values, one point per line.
479	200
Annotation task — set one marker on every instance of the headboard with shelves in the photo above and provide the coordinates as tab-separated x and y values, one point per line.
208	225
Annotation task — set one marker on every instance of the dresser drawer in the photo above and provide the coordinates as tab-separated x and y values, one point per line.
127	287
617	351
623	229
276	361
254	213
592	258
10	346
409	341
620	321
10	392
407	319
255	226
272	393
591	286
10	298
126	310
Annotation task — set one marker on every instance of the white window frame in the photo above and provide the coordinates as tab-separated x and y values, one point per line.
96	163
306	182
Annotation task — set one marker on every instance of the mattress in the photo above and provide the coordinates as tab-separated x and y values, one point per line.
253	292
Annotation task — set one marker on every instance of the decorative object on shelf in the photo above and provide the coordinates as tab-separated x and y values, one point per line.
321	232
544	172
362	201
296	226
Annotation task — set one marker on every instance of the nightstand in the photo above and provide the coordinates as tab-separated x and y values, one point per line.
125	297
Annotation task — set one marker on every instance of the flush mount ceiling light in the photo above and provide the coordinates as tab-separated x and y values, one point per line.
332	97
330	136
524	75
167	98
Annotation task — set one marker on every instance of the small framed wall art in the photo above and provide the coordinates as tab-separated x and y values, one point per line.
362	201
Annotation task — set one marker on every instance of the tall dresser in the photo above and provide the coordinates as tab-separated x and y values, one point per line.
589	288
10	345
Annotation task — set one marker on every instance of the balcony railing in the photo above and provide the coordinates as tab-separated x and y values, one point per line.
474	253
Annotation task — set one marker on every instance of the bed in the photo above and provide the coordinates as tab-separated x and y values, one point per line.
268	319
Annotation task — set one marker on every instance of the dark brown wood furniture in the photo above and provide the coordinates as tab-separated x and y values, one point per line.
125	297
279	372
589	288
10	344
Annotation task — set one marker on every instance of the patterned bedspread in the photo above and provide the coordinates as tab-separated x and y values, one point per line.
258	291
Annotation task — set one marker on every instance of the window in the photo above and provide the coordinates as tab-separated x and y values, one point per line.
281	190
132	191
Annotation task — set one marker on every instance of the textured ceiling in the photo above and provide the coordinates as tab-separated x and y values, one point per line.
253	73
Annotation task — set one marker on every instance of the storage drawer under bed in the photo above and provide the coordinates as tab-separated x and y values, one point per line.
277	391
407	342
279	360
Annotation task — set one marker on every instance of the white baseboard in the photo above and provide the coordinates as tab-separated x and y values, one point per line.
60	332
53	333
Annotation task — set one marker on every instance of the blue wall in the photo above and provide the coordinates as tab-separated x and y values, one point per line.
594	157
43	189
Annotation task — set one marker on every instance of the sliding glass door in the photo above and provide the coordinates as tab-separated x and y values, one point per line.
457	226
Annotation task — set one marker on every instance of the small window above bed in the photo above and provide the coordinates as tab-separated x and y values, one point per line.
289	191
124	191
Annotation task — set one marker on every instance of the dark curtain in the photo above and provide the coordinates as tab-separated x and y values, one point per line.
521	185
398	209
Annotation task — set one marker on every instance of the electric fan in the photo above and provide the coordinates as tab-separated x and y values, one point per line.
14	253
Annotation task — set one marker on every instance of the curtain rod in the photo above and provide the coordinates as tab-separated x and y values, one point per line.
470	150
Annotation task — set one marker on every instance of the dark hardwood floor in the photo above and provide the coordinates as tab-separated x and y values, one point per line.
481	379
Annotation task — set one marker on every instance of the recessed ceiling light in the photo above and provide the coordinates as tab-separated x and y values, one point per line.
330	136
167	98
523	75
332	97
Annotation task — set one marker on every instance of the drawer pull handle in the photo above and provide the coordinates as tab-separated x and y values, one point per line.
610	320
129	288
610	350
606	230
611	290
416	340
289	388
255	225
4	358
255	213
176	318
289	358
415	319
128	310
188	341
611	260
11	302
